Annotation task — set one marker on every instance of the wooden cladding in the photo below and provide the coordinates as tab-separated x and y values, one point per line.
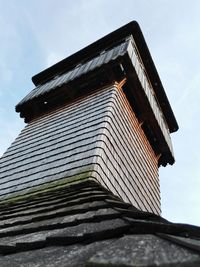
126	163
56	146
96	137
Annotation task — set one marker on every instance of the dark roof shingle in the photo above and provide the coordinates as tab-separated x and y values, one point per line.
103	58
99	226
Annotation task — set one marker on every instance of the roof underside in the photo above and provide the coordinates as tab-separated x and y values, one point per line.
85	224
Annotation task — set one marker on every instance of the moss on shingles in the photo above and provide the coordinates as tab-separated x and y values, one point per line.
49	187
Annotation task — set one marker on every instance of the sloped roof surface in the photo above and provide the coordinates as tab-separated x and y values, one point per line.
103	58
85	225
105	50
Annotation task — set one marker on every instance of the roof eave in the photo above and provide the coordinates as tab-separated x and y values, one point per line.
132	28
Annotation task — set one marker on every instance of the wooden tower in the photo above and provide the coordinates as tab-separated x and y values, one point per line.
100	114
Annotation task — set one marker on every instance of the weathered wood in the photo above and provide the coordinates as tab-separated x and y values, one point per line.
98	133
149	92
137	172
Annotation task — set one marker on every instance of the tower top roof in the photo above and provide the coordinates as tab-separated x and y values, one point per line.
94	51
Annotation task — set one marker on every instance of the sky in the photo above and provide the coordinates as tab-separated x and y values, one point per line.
35	34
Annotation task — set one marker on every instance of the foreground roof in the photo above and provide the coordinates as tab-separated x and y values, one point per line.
83	224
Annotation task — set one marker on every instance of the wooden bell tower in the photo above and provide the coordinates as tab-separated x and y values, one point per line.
99	114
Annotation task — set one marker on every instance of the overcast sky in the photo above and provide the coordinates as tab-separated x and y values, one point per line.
35	34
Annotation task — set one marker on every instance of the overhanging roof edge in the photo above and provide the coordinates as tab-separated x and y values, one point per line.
132	28
85	53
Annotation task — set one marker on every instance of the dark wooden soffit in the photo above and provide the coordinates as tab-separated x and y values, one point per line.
90	51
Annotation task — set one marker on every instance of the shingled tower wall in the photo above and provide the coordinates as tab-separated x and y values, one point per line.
126	163
100	114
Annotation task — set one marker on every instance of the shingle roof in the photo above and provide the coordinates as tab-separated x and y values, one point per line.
101	52
103	58
84	223
132	28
